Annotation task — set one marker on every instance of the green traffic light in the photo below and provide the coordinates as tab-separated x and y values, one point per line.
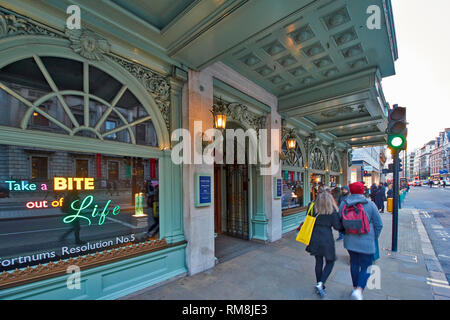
396	141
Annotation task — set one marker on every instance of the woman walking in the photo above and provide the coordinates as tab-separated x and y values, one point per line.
321	244
361	247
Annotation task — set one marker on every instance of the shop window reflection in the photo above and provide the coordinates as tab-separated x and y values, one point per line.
292	191
106	190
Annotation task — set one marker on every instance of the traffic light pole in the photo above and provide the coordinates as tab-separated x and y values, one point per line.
396	201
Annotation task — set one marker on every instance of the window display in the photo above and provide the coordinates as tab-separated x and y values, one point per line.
292	191
47	218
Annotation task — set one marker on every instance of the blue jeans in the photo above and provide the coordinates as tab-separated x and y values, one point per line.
359	262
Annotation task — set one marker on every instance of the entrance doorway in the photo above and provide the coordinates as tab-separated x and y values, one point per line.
237	215
231	200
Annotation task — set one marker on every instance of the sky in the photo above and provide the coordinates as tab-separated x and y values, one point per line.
422	80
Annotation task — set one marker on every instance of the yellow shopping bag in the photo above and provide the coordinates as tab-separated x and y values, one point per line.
304	235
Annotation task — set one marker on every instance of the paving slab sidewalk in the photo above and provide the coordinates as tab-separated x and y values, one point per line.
282	270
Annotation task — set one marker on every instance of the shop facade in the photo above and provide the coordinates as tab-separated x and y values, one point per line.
88	180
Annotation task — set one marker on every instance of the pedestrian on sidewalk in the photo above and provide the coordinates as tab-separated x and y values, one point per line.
361	247
345	192
373	192
321	244
380	197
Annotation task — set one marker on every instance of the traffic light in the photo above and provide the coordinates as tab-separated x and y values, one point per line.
396	128
367	174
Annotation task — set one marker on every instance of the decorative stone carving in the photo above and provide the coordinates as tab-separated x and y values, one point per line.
157	85
240	113
88	44
12	24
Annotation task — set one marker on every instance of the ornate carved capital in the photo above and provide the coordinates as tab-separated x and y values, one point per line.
240	113
88	44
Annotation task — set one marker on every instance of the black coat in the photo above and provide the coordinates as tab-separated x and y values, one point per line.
322	240
390	193
380	197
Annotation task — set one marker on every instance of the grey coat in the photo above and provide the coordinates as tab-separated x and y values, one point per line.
364	243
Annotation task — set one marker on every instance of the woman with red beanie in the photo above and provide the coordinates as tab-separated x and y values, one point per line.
361	247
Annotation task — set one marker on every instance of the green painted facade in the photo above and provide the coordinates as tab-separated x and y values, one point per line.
323	92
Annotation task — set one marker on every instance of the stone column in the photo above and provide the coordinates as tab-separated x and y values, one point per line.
273	206
259	220
345	171
307	187
198	221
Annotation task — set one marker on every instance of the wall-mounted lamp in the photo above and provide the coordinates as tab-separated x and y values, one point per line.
219	111
291	142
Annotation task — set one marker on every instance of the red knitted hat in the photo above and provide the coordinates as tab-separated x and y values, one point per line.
356	188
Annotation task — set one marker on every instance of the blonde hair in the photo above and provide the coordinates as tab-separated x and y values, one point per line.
325	203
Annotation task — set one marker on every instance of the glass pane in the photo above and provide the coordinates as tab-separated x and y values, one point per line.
114	200
11	109
58	70
292	190
317	180
82	168
102	84
39	168
26	78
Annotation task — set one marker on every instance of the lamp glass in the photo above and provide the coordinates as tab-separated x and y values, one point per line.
291	143
220	121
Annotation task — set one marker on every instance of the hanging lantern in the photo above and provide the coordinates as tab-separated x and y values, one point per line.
219	113
291	142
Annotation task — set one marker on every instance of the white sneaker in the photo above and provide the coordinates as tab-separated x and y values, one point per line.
356	295
320	289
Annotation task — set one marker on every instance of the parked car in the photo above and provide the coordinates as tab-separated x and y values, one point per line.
417	183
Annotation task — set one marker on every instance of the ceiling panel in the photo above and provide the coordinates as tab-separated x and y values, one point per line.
158	13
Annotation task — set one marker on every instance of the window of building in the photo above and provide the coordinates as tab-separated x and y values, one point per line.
86	215
39	168
38	119
110	125
113	170
67	107
292	190
66	209
82	168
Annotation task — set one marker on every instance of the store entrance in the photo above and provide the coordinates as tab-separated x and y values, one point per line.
231	200
237	214
232	207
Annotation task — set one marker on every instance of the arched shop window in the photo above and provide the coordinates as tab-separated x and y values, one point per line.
64	96
293	178
57	199
293	157
334	163
317	159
